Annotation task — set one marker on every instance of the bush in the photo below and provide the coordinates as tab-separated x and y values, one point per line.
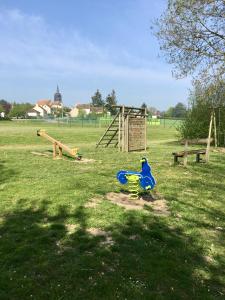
203	100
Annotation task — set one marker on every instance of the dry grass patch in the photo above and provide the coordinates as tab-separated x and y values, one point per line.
108	241
94	202
71	228
85	160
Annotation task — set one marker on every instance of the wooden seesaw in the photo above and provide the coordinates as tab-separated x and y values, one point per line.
58	147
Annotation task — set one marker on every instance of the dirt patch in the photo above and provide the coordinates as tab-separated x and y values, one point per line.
108	241
73	160
208	259
85	160
220	150
158	206
134	237
97	232
61	247
94	202
40	154
71	228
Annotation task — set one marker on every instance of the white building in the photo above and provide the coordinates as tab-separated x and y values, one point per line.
33	113
86	109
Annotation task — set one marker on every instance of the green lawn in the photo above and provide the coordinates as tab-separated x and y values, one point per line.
47	250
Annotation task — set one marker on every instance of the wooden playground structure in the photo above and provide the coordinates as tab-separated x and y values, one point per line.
58	147
127	131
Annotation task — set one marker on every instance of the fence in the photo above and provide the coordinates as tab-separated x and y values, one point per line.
99	122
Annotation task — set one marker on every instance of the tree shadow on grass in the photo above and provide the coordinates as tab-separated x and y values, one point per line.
45	256
5	173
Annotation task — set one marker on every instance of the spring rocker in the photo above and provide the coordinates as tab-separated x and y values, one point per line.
58	147
135	180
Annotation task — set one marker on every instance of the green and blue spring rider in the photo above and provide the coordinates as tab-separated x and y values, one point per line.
143	179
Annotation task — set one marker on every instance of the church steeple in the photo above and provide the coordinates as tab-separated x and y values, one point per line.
57	95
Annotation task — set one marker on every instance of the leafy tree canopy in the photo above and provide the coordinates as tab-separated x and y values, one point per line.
6	106
178	111
110	101
97	99
144	105
19	110
203	99
192	37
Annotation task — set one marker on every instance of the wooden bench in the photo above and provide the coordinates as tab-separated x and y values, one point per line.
198	154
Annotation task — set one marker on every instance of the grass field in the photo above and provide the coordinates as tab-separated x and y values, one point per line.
47	250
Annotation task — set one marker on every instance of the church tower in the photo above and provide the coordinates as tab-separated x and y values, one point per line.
57	96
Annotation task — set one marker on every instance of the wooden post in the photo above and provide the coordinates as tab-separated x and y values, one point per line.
185	154
123	129
60	152
119	133
127	134
145	129
215	131
209	139
54	150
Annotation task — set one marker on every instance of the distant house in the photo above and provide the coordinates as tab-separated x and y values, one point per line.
40	109
97	109
32	113
43	102
86	108
47	107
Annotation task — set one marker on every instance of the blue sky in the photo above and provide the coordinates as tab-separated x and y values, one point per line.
83	45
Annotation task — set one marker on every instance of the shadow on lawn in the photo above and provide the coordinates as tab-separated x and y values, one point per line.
5	173
45	257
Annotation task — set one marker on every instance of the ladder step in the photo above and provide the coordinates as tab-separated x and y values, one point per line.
108	141
107	144
109	136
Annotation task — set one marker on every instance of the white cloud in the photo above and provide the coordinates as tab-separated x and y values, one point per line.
30	46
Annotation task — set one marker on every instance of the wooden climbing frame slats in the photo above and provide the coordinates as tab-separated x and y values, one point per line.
127	131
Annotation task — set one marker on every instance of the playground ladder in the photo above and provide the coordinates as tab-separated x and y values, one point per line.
111	135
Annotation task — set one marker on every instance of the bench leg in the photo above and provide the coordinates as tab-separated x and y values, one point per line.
176	159
198	158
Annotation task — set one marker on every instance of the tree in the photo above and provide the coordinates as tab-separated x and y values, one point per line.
6	106
191	35
82	113
152	111
144	105
19	110
110	101
169	113
97	99
179	110
2	110
202	100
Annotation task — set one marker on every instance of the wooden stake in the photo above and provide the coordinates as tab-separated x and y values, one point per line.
54	150
215	131
185	155
145	129
119	133
123	129
209	138
60	152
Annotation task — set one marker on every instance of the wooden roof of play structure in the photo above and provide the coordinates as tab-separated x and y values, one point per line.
127	131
